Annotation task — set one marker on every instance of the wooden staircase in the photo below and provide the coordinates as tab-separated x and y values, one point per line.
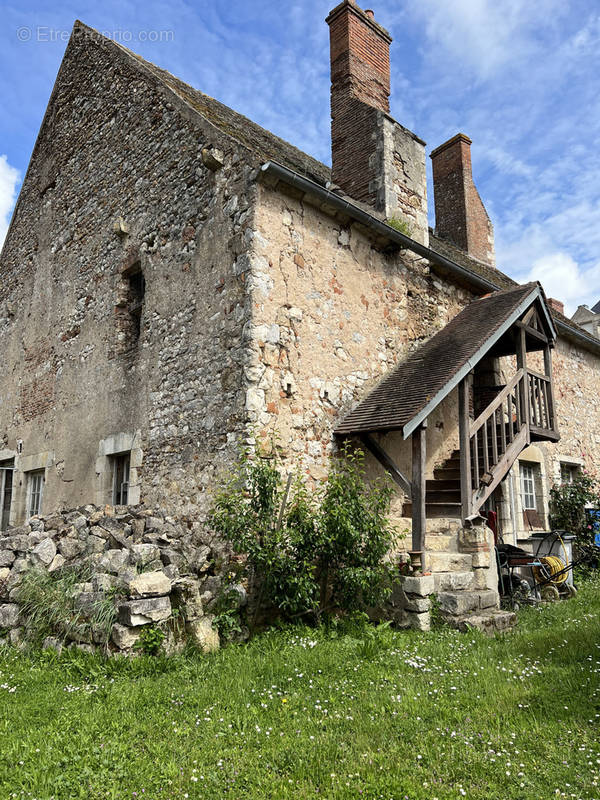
442	494
521	412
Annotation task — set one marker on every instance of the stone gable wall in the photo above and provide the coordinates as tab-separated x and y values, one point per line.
118	176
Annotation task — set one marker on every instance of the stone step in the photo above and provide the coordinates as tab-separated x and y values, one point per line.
490	623
453	581
449	562
461	603
441	542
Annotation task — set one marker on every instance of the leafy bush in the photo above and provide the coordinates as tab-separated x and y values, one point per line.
150	640
568	502
309	554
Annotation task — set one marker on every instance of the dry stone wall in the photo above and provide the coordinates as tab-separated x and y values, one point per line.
153	570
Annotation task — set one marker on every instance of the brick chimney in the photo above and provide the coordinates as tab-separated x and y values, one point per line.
556	305
374	159
460	216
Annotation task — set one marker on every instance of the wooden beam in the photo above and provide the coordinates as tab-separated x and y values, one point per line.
548	371
419	516
524	384
387	463
541	337
496	403
526	319
508	459
466	490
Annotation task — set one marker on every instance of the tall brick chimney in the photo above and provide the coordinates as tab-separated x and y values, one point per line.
460	216
374	159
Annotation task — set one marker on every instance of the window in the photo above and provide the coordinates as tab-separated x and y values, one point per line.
137	290
35	492
568	472
6	484
129	308
120	465
528	487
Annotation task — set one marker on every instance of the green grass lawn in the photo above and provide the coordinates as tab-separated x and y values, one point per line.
305	714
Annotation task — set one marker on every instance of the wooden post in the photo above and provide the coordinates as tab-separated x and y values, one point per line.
466	487
419	516
548	371
524	391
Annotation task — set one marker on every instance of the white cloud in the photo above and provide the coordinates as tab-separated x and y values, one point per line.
484	35
561	277
9	178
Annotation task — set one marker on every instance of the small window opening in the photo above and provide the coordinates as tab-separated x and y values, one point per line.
120	471
129	308
6	488
35	492
569	472
137	290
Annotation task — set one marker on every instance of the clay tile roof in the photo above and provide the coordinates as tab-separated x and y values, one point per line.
454	253
434	369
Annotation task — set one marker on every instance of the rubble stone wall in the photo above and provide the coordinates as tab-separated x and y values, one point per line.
333	315
153	569
119	181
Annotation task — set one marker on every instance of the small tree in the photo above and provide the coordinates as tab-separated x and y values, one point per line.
308	553
568	503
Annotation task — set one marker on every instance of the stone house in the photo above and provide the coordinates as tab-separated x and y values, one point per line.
588	319
175	279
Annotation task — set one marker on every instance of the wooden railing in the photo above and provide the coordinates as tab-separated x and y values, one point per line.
540	401
491	443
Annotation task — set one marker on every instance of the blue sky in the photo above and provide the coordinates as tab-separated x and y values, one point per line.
520	78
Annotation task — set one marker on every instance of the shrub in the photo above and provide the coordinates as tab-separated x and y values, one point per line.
150	640
568	503
309	554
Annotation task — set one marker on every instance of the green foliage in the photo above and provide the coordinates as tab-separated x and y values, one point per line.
343	711
49	603
567	507
150	640
400	225
309	554
226	617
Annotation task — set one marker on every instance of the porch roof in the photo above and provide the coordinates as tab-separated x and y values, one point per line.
405	397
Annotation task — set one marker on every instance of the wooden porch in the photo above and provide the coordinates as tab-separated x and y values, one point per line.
496	421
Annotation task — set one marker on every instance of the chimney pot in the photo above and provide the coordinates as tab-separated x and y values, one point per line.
370	13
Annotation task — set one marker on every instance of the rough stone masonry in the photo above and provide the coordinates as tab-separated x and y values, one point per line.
163	299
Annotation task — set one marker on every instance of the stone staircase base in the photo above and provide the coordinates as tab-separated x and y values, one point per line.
490	622
463	602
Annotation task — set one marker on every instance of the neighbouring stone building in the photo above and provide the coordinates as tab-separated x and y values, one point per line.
176	279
